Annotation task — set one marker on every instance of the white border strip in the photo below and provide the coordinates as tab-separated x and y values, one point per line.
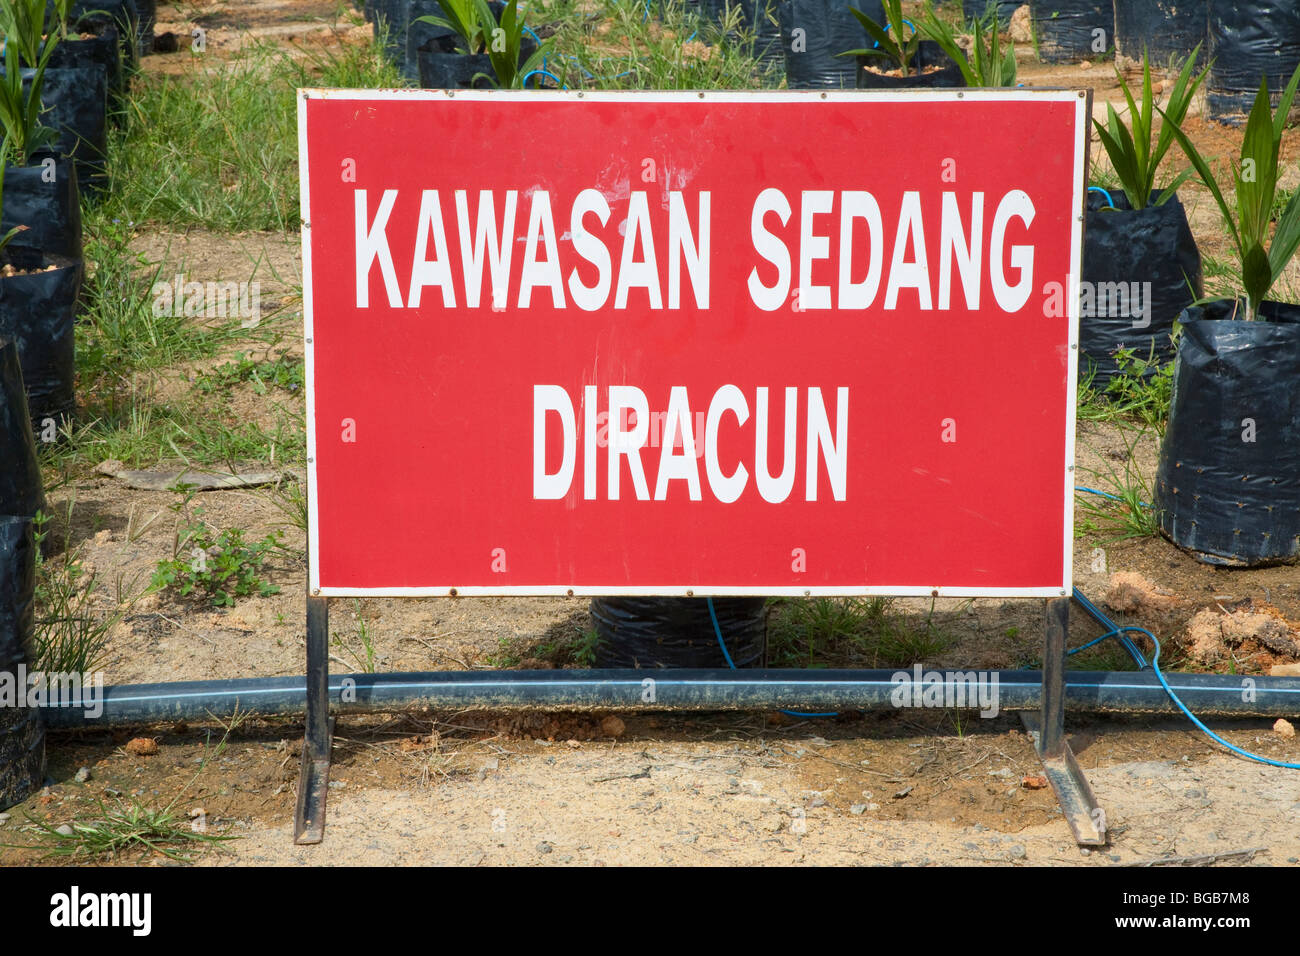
304	206
676	590
1083	131
1083	122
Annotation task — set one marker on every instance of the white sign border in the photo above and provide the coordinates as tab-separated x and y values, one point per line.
1080	98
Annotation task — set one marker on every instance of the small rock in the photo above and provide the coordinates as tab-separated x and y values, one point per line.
1283	728
1033	782
573	744
338	784
142	747
1115	857
4	818
613	726
64	830
1085	65
1018	852
544	847
858	809
82	775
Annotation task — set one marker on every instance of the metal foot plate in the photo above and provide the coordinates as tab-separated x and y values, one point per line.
313	785
1073	793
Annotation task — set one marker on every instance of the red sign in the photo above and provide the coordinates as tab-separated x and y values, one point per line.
689	343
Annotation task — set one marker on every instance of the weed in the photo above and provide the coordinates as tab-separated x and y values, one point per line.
900	644
830	632
1123	510
584	649
342	66
211	148
282	372
363	653
1139	392
70	633
134	826
650	54
217	565
291	498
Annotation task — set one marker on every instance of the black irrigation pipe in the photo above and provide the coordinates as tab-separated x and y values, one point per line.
1117	692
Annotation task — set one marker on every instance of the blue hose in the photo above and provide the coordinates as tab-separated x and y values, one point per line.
543	73
1111	628
1155	666
888	25
1106	194
717	629
1114	631
1105	494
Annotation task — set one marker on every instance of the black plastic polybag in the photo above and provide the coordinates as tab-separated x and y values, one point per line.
1072	30
975	9
1166	29
650	632
45	198
76	103
813	32
757	21
420	36
928	54
443	69
1249	41
131	17
102	52
1140	270
37	311
1228	481
22	736
148	14
21	492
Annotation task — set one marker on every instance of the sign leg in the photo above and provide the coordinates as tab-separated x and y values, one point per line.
1073	793
314	772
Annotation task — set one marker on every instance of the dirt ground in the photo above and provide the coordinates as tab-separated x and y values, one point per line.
915	788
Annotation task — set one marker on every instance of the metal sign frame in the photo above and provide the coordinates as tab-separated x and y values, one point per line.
1070	785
